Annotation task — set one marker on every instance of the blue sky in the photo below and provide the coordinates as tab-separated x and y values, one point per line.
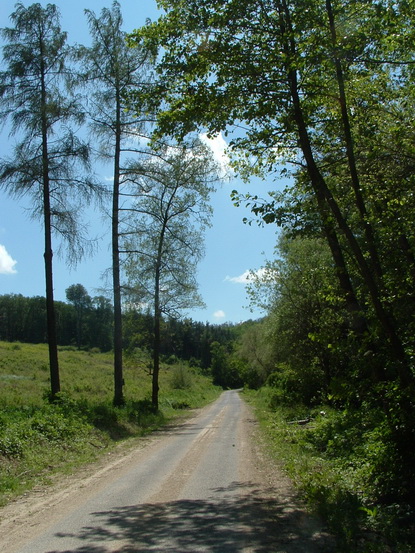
232	248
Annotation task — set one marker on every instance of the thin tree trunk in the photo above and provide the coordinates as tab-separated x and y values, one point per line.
157	311
156	343
351	158
48	255
50	305
118	361
156	362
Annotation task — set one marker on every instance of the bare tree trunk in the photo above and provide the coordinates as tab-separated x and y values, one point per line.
118	361
50	306
48	254
157	320
156	362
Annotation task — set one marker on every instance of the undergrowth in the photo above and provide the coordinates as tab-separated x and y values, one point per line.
336	457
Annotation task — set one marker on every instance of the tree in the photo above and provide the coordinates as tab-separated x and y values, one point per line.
112	68
296	69
163	233
101	323
48	162
255	348
324	86
78	296
306	317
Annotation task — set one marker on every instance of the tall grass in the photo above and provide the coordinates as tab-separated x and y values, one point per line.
38	439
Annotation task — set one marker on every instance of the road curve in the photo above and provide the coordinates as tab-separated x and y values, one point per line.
199	487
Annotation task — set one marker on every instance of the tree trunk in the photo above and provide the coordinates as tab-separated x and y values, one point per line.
118	361
157	318
156	362
351	158
50	305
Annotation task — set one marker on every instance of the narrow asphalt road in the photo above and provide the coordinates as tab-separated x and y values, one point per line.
202	486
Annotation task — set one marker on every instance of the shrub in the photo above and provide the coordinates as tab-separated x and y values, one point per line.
11	446
181	378
297	386
54	426
172	360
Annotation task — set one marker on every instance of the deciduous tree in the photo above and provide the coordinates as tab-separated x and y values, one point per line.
291	79
163	233
110	69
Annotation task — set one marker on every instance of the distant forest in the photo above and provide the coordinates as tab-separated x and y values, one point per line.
23	319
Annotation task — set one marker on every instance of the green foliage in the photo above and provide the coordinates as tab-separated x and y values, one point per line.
344	461
81	423
10	446
302	386
254	352
225	370
339	506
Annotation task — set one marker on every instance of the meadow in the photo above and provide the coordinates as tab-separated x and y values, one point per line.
39	439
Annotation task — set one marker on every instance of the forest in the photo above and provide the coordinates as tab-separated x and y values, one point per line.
86	324
321	93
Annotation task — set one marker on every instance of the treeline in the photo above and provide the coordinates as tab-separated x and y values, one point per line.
23	319
90	325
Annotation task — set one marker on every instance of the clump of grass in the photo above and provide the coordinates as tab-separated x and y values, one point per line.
181	378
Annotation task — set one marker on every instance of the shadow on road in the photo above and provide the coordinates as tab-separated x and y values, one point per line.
233	520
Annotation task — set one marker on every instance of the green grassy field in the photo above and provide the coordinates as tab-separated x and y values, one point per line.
38	440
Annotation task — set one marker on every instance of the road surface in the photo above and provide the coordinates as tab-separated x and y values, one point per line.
203	486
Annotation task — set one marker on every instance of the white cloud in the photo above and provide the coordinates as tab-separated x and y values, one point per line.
219	314
7	263
248	276
218	146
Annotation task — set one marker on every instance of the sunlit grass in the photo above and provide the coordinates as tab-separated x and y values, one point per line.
38	439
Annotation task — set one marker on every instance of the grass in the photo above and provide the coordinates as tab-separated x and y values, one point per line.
320	457
38	440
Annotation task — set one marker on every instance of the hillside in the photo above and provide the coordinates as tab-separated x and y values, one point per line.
38	439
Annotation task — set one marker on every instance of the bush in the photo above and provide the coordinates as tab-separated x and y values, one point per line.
55	426
11	446
172	360
181	378
297	386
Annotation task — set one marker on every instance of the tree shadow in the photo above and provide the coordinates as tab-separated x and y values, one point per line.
235	519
